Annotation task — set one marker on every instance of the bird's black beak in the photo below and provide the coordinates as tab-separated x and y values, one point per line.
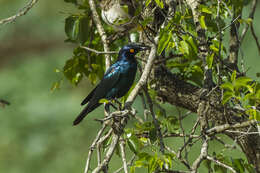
143	47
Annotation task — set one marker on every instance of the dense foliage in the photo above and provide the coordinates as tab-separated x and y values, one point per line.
197	41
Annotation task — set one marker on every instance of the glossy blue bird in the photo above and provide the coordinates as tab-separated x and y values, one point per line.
116	82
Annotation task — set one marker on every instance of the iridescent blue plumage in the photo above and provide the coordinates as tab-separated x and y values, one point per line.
116	82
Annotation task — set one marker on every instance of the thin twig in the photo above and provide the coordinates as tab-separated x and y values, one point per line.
121	114
183	131
255	37
251	16
155	121
128	164
241	132
223	29
21	13
168	135
93	146
184	162
108	156
97	51
221	164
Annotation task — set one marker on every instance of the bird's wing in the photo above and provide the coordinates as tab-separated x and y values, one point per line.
109	80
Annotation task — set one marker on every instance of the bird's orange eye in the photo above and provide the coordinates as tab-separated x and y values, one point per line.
132	50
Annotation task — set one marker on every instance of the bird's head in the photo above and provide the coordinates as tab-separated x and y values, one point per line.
131	50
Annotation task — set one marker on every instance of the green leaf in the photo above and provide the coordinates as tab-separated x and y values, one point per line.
227	86
219	169
147	2
163	42
243	82
133	142
184	47
202	22
238	164
210	60
103	101
132	169
132	145
159	3
207	164
227	96
205	9
77	28
234	75
152	164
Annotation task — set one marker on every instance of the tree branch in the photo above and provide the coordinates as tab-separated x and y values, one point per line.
222	128
108	156
202	156
145	74
97	51
21	13
255	37
93	146
251	16
221	164
122	148
101	31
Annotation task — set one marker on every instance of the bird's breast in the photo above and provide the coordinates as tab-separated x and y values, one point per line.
127	77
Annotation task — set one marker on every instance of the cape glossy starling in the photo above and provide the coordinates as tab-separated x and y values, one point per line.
116	82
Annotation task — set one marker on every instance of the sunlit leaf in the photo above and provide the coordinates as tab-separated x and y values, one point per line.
210	60
234	75
147	2
103	101
202	22
227	96
227	86
164	40
159	3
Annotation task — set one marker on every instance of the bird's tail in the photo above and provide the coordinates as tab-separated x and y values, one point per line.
84	112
